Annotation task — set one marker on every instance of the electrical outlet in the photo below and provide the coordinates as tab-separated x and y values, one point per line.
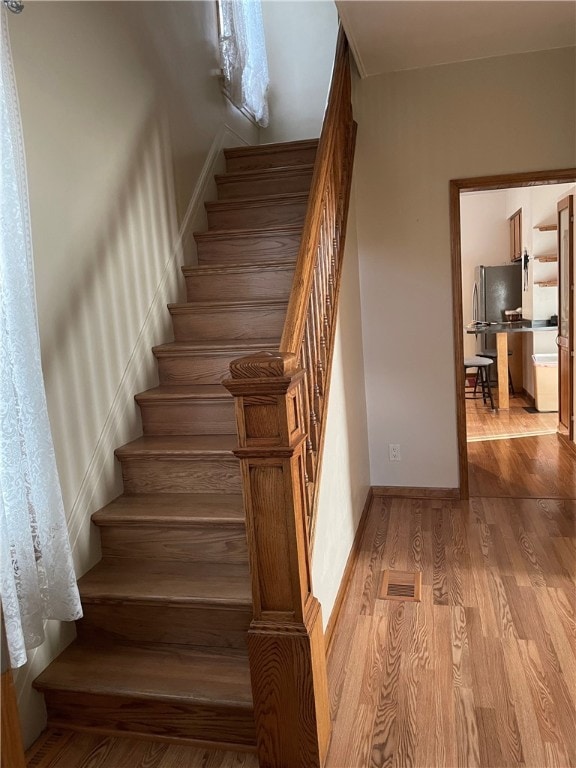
394	452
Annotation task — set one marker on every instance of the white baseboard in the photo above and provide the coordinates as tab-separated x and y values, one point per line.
120	424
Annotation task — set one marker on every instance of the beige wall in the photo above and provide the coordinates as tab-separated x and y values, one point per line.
345	474
300	42
121	112
418	130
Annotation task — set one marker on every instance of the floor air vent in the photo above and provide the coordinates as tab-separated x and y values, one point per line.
48	748
401	585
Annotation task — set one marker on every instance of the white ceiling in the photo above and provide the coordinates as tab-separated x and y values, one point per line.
392	35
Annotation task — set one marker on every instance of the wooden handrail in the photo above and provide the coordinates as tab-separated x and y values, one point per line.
280	412
310	323
296	314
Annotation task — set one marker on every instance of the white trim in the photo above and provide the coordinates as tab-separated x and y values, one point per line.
243	110
139	361
348	29
226	137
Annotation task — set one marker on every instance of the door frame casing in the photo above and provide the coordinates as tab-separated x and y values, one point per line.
567	203
479	184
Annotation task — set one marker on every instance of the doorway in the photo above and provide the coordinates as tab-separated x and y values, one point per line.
514	183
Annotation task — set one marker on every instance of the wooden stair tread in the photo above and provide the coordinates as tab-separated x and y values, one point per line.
233	269
209	345
264	173
272	148
159	672
284	198
165	581
214	234
227	305
203	346
172	509
178	446
184	392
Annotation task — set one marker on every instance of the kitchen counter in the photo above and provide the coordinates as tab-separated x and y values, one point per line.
502	330
520	326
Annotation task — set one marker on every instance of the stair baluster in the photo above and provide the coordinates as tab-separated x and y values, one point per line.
281	406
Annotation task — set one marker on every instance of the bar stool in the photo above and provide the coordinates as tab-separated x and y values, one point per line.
482	365
493	355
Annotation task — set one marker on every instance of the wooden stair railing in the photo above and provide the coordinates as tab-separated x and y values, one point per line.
280	412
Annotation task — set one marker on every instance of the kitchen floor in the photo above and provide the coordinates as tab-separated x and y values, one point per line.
484	424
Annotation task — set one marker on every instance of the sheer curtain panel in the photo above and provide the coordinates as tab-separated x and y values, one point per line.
243	56
37	574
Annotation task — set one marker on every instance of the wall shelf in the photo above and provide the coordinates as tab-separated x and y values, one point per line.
546	283
546	257
547	227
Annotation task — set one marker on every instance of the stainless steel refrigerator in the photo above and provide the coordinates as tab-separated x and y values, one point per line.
495	289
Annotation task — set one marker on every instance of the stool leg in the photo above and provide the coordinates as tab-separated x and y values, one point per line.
482	375
510	384
487	375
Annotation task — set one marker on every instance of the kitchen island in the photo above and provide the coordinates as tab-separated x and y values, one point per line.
502	330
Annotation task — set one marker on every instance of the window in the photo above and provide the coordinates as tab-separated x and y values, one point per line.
37	579
243	56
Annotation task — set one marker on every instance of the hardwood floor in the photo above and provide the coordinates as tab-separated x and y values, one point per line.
481	672
522	467
484	424
516	453
67	749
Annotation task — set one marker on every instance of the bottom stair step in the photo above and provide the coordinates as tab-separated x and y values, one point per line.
174	692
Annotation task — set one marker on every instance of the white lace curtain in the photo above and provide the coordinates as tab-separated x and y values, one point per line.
243	56
36	575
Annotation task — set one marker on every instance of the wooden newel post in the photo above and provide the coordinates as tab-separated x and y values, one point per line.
286	639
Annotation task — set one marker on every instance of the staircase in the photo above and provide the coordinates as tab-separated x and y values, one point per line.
161	650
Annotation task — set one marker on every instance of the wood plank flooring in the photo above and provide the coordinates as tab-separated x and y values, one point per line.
484	424
527	467
481	672
517	454
66	749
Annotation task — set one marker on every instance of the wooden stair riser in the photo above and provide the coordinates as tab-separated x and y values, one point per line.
194	417
244	322
170	719
173	475
265	282
270	156
208	542
197	625
222	248
238	214
258	183
197	368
